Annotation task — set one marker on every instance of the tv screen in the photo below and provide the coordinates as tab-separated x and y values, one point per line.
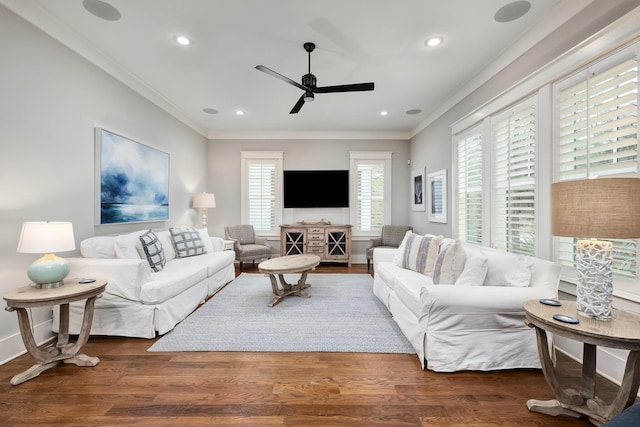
316	189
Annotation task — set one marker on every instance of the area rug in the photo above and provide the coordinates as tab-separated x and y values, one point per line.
342	315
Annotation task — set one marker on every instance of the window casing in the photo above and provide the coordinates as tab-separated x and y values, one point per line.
262	191
370	195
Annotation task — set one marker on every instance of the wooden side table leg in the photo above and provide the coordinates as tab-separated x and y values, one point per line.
83	337
564	398
626	394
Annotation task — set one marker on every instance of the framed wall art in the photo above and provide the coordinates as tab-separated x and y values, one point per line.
437	186
418	190
132	180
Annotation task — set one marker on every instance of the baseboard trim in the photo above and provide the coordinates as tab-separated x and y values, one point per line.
12	346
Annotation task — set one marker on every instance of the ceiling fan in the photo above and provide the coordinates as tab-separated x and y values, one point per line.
309	83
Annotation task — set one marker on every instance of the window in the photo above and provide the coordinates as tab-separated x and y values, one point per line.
596	136
469	177
514	183
261	190
370	176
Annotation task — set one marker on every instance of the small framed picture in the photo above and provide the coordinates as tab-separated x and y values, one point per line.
418	190
437	185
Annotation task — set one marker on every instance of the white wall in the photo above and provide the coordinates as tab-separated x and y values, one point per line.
224	176
50	101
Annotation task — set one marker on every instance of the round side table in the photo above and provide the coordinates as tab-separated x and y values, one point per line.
51	354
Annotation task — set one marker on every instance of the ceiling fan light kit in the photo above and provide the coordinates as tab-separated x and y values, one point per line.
309	83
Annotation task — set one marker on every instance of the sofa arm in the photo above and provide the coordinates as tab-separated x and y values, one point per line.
125	277
217	243
481	307
383	254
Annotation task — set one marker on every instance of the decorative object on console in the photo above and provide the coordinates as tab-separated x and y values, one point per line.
437	187
204	201
46	238
597	208
132	180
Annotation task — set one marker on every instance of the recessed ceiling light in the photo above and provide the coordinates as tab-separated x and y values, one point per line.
414	111
512	11
239	113
184	41
384	113
102	10
210	110
433	41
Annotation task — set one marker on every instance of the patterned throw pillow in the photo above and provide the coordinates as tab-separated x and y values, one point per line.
152	249
187	242
449	264
420	252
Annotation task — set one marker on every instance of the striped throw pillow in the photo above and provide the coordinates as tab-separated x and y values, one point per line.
420	252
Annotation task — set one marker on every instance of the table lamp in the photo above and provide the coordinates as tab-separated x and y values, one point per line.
204	201
604	208
46	238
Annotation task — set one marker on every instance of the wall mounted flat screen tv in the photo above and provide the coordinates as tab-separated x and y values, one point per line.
316	189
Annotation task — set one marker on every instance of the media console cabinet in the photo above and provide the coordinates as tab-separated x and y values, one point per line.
332	243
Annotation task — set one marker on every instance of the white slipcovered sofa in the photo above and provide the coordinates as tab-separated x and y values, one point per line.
461	305
144	298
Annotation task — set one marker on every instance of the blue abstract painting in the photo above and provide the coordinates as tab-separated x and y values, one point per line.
134	180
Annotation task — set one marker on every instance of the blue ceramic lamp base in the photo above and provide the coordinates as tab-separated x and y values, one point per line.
48	271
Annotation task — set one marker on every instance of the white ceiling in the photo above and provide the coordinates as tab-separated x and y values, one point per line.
357	41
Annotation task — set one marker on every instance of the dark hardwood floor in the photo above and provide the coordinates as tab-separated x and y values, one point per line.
132	387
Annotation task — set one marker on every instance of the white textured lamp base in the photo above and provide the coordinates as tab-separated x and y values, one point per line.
595	279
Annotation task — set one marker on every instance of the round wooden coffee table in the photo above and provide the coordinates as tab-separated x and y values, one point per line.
288	264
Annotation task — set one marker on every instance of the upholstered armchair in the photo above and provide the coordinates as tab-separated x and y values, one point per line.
390	237
247	246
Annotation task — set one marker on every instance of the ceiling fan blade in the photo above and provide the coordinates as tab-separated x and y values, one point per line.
298	105
356	87
279	76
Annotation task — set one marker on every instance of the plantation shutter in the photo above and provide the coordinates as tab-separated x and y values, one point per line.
370	196
514	182
597	112
262	196
262	191
370	191
469	152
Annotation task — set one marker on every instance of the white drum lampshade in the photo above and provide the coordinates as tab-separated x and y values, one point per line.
46	238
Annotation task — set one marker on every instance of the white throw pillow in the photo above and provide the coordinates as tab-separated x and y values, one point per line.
397	257
204	235
449	264
420	252
475	268
125	245
167	244
507	269
98	247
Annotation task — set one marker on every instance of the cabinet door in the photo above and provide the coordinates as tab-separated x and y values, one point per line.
294	241
337	244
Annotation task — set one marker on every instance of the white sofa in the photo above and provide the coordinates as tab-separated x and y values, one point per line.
475	321
140	302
